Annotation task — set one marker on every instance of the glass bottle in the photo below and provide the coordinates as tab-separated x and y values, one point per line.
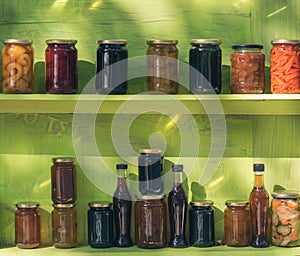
259	204
177	204
236	223
17	66
27	225
64	226
63	180
100	225
122	209
205	57
61	66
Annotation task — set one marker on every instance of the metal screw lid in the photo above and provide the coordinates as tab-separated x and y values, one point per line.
17	41
205	41
249	46
121	166
158	41
60	41
150	151
149	197
100	204
238	203
202	203
258	167
118	41
284	194
63	205
27	204
285	41
63	160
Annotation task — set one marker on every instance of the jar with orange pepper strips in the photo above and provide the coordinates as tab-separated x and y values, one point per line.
285	66
247	73
285	218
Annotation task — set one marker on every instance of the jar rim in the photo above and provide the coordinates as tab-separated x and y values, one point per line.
285	41
112	41
162	41
150	151
238	203
249	46
205	41
292	194
17	41
63	205
202	203
100	204
27	204
63	160
60	41
149	197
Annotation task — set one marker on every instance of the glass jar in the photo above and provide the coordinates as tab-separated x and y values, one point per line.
150	221
285	66
17	66
63	180
112	67
61	66
247	74
150	165
236	223
100	225
202	226
27	225
205	59
64	226
162	66
285	218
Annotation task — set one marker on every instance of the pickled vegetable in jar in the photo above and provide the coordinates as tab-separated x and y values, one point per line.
17	66
285	66
247	73
285	218
162	66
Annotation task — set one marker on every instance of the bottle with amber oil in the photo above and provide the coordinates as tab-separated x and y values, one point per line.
122	209
177	204
259	204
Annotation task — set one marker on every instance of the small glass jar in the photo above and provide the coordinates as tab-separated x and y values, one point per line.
162	66
236	223
27	225
112	67
100	225
285	218
63	180
205	59
17	66
202	226
285	66
64	226
61	66
247	74
150	221
150	165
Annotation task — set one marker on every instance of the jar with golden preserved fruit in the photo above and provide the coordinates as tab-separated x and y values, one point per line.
247	73
162	66
17	66
285	218
285	66
27	225
236	223
64	226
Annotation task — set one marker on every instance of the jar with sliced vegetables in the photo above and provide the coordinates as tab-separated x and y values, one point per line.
285	218
285	66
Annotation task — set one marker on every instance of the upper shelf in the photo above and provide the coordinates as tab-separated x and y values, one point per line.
230	104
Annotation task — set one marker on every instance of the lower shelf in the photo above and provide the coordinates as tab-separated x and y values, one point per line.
216	250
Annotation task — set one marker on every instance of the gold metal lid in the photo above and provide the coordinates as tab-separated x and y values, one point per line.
100	204
291	194
63	160
118	41
158	41
17	41
202	203
60	41
238	203
27	204
150	151
205	41
149	197
285	41
63	205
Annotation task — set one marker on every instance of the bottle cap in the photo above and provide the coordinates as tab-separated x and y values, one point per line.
258	167
177	168
121	166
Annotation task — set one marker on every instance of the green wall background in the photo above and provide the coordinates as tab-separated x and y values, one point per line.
29	141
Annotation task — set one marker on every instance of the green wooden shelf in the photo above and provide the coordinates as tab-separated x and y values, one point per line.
250	104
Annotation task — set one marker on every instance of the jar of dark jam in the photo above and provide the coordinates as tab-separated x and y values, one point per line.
63	180
112	67
150	165
17	66
150	221
247	74
162	66
64	226
202	227
205	58
100	225
236	223
61	66
285	218
27	225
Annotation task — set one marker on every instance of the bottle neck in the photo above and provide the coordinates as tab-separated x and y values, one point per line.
122	178
177	179
259	180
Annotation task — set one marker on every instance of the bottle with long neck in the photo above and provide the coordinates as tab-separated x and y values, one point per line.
177	203
122	209
259	204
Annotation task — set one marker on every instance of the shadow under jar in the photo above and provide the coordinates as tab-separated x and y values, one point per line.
162	66
247	73
27	225
61	67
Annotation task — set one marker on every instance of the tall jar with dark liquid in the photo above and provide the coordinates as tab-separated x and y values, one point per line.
259	204
122	209
177	204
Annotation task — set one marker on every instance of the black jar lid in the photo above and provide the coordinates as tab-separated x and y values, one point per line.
150	151
245	46
109	41
161	41
100	204
63	160
63	205
258	167
17	41
205	41
121	166
60	41
285	41
202	203
150	197
27	205
177	168
286	194
238	203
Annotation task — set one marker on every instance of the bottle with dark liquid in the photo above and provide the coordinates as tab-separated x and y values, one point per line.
259	204
177	203
122	209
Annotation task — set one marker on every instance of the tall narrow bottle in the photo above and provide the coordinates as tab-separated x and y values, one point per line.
122	209
259	204
177	203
